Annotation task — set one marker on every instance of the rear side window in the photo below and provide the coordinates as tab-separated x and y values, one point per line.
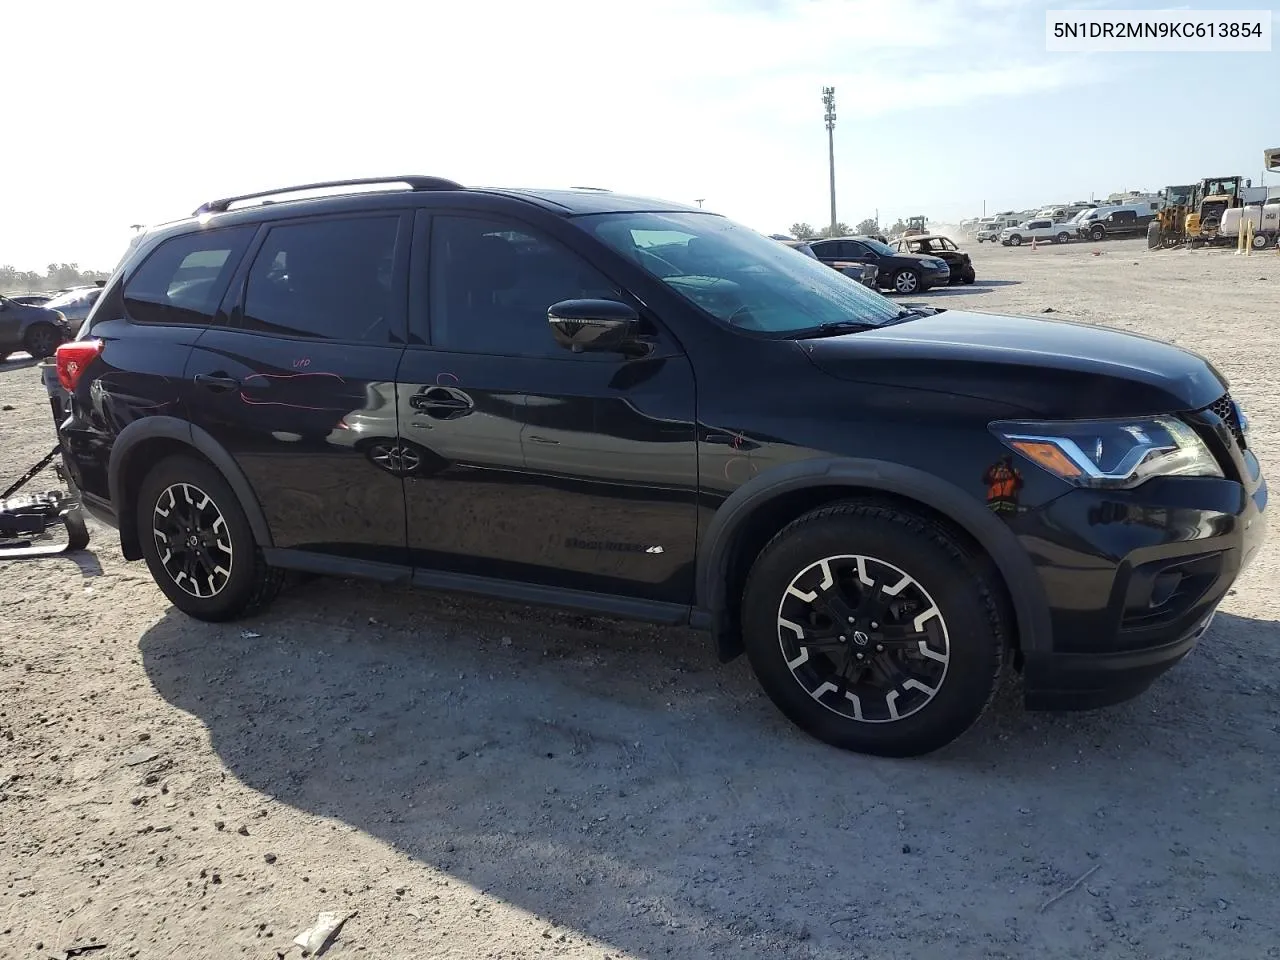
182	281
326	279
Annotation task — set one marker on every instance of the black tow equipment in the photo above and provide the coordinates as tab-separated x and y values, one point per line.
25	520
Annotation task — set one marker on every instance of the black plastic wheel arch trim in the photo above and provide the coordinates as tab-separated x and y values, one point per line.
171	428
863	476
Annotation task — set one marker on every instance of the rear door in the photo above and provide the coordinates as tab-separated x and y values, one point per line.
147	321
570	470
299	386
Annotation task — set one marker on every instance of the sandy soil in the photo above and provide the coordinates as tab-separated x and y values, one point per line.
475	780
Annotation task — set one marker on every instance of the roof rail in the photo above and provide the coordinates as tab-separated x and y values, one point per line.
412	182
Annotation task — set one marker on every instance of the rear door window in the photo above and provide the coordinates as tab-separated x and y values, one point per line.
330	279
182	280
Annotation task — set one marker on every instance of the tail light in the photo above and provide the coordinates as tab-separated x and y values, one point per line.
73	358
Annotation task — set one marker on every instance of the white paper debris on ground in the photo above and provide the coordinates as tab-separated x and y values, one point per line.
315	940
250	635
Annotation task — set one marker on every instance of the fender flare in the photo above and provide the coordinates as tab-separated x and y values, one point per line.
1030	603
171	428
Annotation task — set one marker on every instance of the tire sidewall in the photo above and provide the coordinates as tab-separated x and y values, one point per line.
240	585
975	645
36	329
906	271
1015	240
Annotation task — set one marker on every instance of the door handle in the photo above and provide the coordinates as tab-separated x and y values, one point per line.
442	403
217	382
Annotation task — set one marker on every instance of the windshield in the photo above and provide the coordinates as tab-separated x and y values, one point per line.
881	248
738	276
73	298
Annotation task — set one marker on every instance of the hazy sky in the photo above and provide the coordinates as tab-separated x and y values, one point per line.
132	111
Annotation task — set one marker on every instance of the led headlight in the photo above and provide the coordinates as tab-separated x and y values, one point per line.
1115	454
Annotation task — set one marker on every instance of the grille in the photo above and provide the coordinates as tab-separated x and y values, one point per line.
1225	409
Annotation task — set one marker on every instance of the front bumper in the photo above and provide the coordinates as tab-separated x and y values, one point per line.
1133	580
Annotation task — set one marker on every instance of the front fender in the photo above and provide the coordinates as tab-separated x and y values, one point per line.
861	476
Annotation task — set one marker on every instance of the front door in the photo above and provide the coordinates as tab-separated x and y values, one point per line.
540	465
299	386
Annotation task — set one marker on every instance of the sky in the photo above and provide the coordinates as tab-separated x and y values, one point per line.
138	111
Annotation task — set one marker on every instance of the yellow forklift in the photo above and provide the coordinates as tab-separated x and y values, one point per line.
1169	228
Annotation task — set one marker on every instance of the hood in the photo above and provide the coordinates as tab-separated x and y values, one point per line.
1050	368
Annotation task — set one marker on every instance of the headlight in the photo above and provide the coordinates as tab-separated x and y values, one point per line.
1112	454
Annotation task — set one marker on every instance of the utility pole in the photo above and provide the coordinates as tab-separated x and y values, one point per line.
829	101
699	203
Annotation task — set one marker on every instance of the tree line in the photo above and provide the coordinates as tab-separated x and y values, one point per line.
866	228
57	276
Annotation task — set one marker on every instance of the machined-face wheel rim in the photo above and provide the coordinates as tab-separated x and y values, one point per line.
192	539
906	282
863	638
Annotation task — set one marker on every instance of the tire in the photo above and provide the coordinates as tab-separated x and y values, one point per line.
1016	240
906	281
41	340
1260	241
234	580
968	277
1063	237
1097	233
941	593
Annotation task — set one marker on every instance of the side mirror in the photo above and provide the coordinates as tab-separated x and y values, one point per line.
597	325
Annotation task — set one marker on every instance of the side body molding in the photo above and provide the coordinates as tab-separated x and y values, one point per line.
863	476
127	445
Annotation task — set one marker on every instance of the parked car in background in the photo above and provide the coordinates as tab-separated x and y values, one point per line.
31	299
865	273
1129	220
1041	230
944	248
76	303
900	272
32	328
990	230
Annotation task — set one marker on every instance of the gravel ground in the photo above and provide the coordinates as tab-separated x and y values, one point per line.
469	779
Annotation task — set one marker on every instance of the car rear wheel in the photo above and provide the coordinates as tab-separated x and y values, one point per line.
906	281
198	544
968	276
874	629
41	340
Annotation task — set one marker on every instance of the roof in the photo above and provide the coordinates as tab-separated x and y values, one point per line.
927	236
575	201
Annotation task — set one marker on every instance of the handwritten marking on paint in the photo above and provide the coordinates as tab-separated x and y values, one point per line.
281	403
302	363
440	377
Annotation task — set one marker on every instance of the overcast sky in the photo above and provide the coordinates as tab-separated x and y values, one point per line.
135	112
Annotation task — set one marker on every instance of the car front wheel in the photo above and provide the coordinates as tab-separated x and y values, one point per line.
906	281
1063	237
198	544
1016	240
874	629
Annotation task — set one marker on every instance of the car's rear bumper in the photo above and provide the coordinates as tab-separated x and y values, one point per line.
1138	585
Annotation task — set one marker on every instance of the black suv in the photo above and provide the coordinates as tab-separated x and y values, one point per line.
645	410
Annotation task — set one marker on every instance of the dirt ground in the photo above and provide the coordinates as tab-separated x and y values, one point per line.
469	780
